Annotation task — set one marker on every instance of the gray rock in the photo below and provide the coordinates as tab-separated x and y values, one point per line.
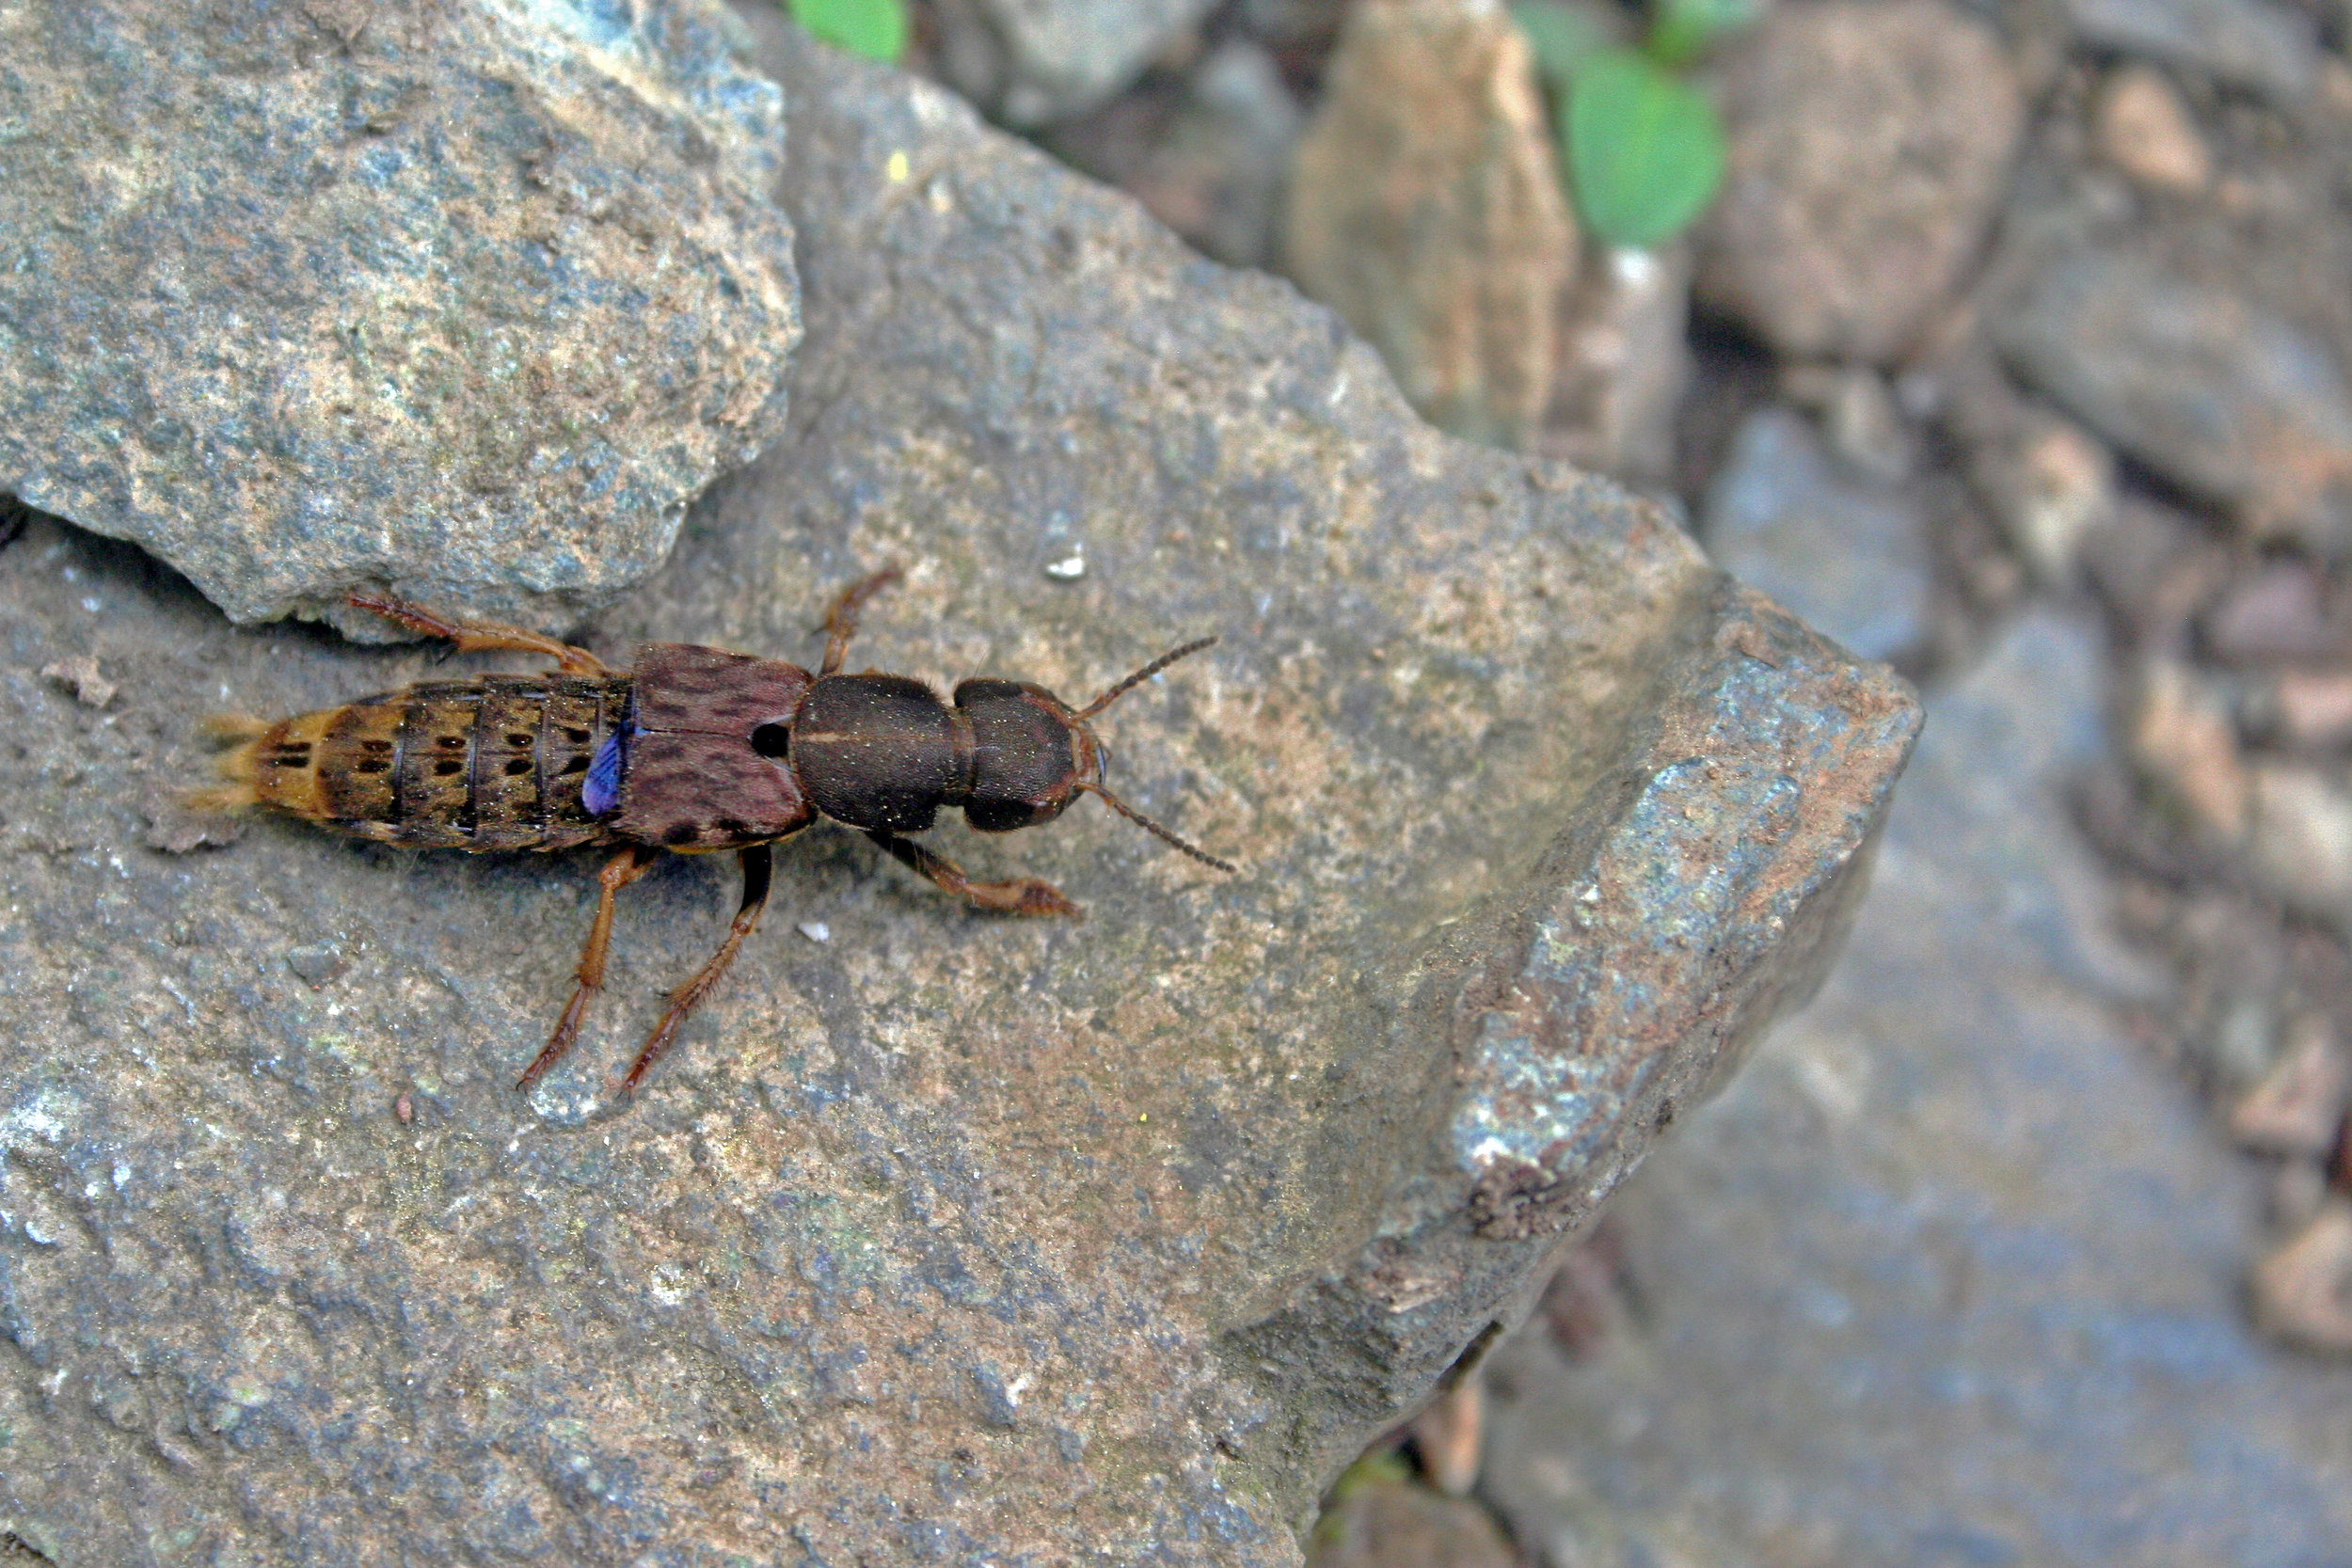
1866	150
1951	1275
1425	206
2211	388
1624	363
1208	158
2273	49
469	301
1849	555
947	1238
1032	62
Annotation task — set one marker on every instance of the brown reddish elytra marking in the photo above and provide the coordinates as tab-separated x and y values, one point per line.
692	750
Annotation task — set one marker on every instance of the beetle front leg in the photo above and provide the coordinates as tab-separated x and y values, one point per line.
841	620
621	870
477	636
1025	895
758	865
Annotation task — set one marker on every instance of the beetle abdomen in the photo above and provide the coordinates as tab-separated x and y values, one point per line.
493	763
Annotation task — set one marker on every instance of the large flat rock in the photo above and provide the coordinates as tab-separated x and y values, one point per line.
944	1237
467	300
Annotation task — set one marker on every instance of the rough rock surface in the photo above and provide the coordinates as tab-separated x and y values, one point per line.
1425	206
1866	146
943	1237
1032	62
1951	1274
469	300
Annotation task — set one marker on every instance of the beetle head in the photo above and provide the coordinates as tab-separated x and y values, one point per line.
1033	755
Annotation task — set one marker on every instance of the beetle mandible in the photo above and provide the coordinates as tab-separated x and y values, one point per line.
690	750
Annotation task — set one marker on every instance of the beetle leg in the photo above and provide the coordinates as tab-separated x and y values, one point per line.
621	870
758	861
1026	895
841	620
475	636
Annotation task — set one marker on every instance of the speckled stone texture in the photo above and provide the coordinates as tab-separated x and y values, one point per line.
1954	1273
468	299
944	1238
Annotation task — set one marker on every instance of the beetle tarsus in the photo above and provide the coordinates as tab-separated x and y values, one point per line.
1023	895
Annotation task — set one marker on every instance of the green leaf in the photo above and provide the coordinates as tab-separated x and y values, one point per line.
1645	151
874	28
1684	29
1561	37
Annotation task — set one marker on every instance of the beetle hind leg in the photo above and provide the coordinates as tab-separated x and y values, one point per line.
477	636
1023	895
758	863
621	870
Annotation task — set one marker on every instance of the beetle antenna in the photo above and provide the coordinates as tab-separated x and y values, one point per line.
1146	823
1107	698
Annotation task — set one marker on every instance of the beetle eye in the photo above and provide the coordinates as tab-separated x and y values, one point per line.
771	740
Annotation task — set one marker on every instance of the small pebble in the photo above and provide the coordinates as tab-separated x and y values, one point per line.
2300	841
2303	1289
2181	735
2062	485
1449	1435
317	963
816	930
2145	129
2297	1105
2274	614
2314	706
1068	569
80	672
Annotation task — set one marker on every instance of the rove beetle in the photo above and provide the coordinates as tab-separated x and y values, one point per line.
692	750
